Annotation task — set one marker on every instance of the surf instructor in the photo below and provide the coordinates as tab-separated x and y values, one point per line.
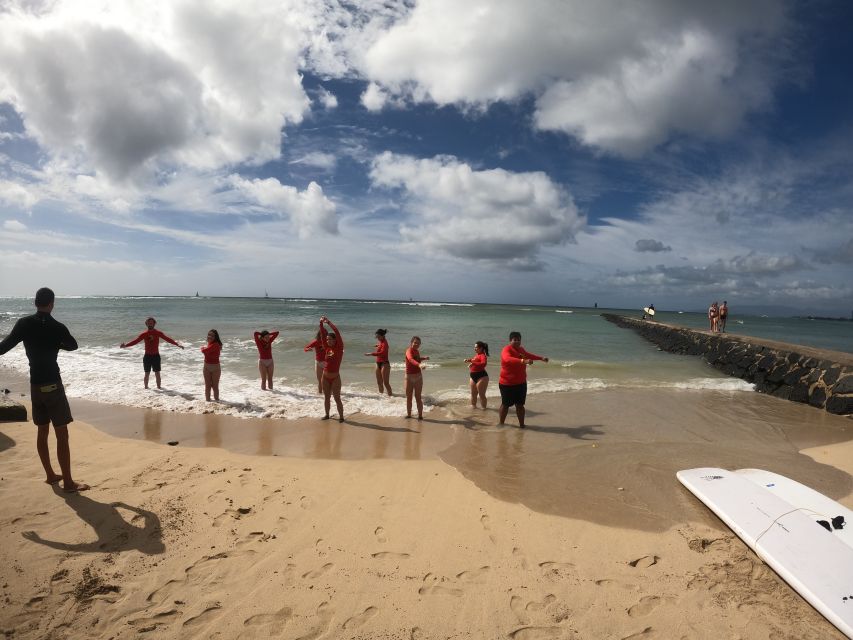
513	379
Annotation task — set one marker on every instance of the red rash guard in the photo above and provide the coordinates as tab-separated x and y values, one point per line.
264	347
513	369
335	354
152	339
319	351
413	360
211	352
381	352
478	363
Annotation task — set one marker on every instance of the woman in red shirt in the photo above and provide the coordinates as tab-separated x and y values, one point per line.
333	346
383	365
513	379
479	376
319	359
263	341
413	382
212	370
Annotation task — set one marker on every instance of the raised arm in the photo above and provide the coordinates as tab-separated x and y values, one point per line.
337	333
13	338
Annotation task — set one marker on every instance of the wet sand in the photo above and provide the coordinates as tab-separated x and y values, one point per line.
390	528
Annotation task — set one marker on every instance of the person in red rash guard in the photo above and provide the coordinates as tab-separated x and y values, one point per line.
319	359
333	345
263	340
212	369
413	382
151	359
383	365
513	379
479	376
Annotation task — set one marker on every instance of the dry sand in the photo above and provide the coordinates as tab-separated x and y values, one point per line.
452	528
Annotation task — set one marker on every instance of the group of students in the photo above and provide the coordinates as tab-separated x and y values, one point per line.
717	316
44	337
328	348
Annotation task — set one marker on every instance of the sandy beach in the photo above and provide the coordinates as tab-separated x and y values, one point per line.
391	528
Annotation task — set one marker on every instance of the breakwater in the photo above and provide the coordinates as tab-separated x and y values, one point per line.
821	378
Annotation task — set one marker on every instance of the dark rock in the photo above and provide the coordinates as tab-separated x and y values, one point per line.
814	376
800	392
794	375
172	443
831	375
817	397
778	373
783	391
841	405
11	411
844	385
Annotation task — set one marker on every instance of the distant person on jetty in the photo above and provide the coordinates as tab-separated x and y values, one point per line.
479	381
43	337
151	359
212	369
263	340
333	347
724	314
649	311
713	315
413	382
513	380
319	359
383	365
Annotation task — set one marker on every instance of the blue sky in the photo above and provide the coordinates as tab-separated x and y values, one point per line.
546	152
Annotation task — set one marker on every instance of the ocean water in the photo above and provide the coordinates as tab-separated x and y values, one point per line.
586	351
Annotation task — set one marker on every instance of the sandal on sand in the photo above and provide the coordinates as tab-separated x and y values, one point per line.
78	486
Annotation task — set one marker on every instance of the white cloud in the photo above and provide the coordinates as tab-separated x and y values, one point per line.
17	195
14	225
490	215
326	161
374	98
310	211
327	99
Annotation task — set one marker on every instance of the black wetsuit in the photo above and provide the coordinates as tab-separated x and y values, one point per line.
43	337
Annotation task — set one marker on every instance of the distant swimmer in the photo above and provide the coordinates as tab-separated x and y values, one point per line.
264	340
479	381
212	369
151	359
319	359
413	382
383	364
43	337
724	314
513	380
333	346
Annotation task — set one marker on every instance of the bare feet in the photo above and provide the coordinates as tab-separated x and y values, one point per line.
75	487
326	417
53	479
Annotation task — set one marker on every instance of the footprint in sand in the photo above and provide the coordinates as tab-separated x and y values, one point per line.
557	570
416	634
645	606
390	555
316	573
518	553
486	522
645	562
324	618
267	625
471	576
432	587
536	633
356	621
523	611
156	619
384	501
645	633
619	584
381	538
209	614
306	502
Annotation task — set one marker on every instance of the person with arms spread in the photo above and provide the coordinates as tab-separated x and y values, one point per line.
383	365
263	340
333	346
43	337
513	379
151	359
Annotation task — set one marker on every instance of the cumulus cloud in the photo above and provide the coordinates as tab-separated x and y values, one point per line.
189	84
310	211
14	225
488	215
327	99
619	78
655	246
17	195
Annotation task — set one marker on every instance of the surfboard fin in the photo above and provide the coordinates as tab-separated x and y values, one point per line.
825	525
838	522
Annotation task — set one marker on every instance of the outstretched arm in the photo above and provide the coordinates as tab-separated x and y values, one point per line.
168	339
12	339
136	340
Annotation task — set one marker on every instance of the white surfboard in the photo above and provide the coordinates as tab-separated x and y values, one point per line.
649	311
812	560
814	504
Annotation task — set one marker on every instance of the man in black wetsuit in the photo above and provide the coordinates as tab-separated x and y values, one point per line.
43	337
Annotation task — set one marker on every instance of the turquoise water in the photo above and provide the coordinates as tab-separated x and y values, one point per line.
586	352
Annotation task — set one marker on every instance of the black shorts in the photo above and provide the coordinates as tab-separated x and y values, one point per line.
379	365
513	394
476	375
151	361
50	404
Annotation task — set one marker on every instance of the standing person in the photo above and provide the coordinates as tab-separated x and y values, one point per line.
263	340
513	378
151	359
724	314
212	369
383	365
333	346
413	382
319	359
479	376
713	315
43	337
